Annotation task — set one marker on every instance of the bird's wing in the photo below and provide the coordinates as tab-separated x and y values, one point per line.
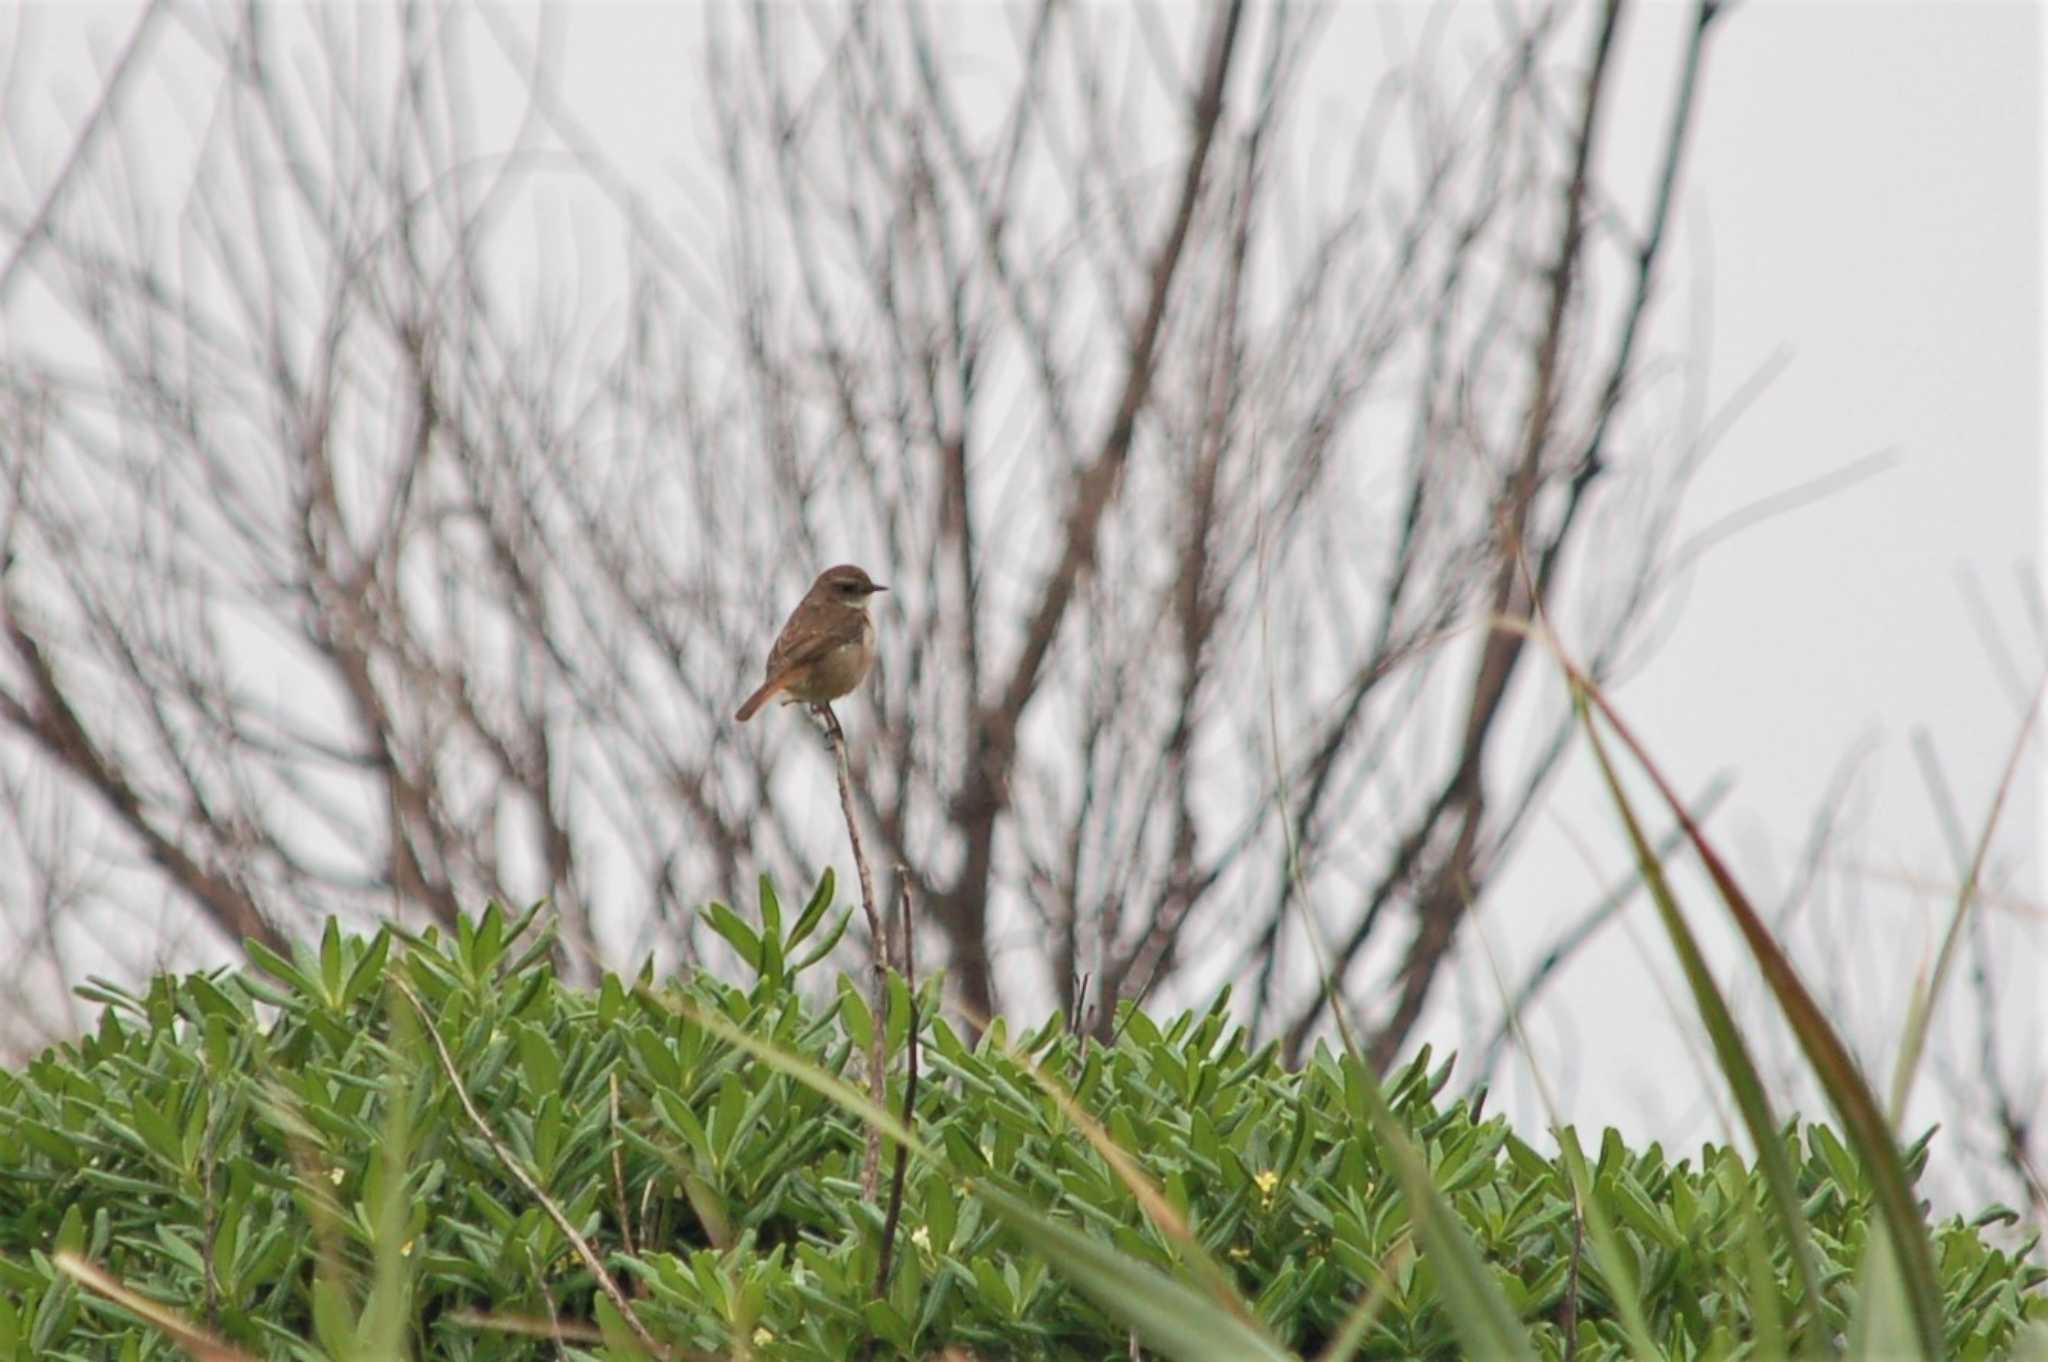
801	645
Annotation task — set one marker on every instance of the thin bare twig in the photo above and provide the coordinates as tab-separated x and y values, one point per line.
103	109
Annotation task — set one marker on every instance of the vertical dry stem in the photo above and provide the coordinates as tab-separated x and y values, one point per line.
895	1213
878	966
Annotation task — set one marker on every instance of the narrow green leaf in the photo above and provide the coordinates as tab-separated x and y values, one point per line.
537	1058
331	979
814	911
855	1017
771	910
369	969
276	966
825	943
743	938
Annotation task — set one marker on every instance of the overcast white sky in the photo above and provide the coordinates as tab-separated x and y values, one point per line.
1864	203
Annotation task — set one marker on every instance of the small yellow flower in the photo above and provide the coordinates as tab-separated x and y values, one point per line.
1267	1181
335	1175
922	1237
762	1338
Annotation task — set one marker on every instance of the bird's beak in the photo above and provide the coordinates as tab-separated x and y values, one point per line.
876	586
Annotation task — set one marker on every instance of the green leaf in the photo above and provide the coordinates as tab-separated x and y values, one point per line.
70	1231
743	938
899	1013
368	970
618	1338
611	1000
684	1122
771	910
814	911
334	1323
331	979
537	1058
156	1130
276	966
854	1016
826	943
890	1327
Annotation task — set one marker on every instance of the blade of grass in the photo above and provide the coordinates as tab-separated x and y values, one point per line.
1879	1326
1351	1337
1480	1315
1768	1328
187	1335
830	1086
386	1312
1921	1014
1170	1315
1729	1048
1150	1199
1870	1134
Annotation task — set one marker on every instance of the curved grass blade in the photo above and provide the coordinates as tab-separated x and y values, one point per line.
827	1085
1150	1199
1480	1314
1869	1133
1729	1048
1171	1316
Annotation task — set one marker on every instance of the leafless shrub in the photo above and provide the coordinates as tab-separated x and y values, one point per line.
362	563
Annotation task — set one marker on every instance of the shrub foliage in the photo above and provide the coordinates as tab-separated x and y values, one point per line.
282	1159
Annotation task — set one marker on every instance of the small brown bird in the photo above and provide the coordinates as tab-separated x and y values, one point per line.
827	646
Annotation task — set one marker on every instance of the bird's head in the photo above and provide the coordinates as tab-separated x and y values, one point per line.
846	584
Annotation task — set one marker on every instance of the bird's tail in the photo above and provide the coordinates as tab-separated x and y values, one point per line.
760	697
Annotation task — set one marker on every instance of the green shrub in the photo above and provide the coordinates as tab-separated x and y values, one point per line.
283	1161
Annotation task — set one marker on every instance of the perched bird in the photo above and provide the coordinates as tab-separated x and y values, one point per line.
826	647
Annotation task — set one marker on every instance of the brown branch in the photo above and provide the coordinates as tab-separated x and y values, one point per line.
1455	877
984	792
48	718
